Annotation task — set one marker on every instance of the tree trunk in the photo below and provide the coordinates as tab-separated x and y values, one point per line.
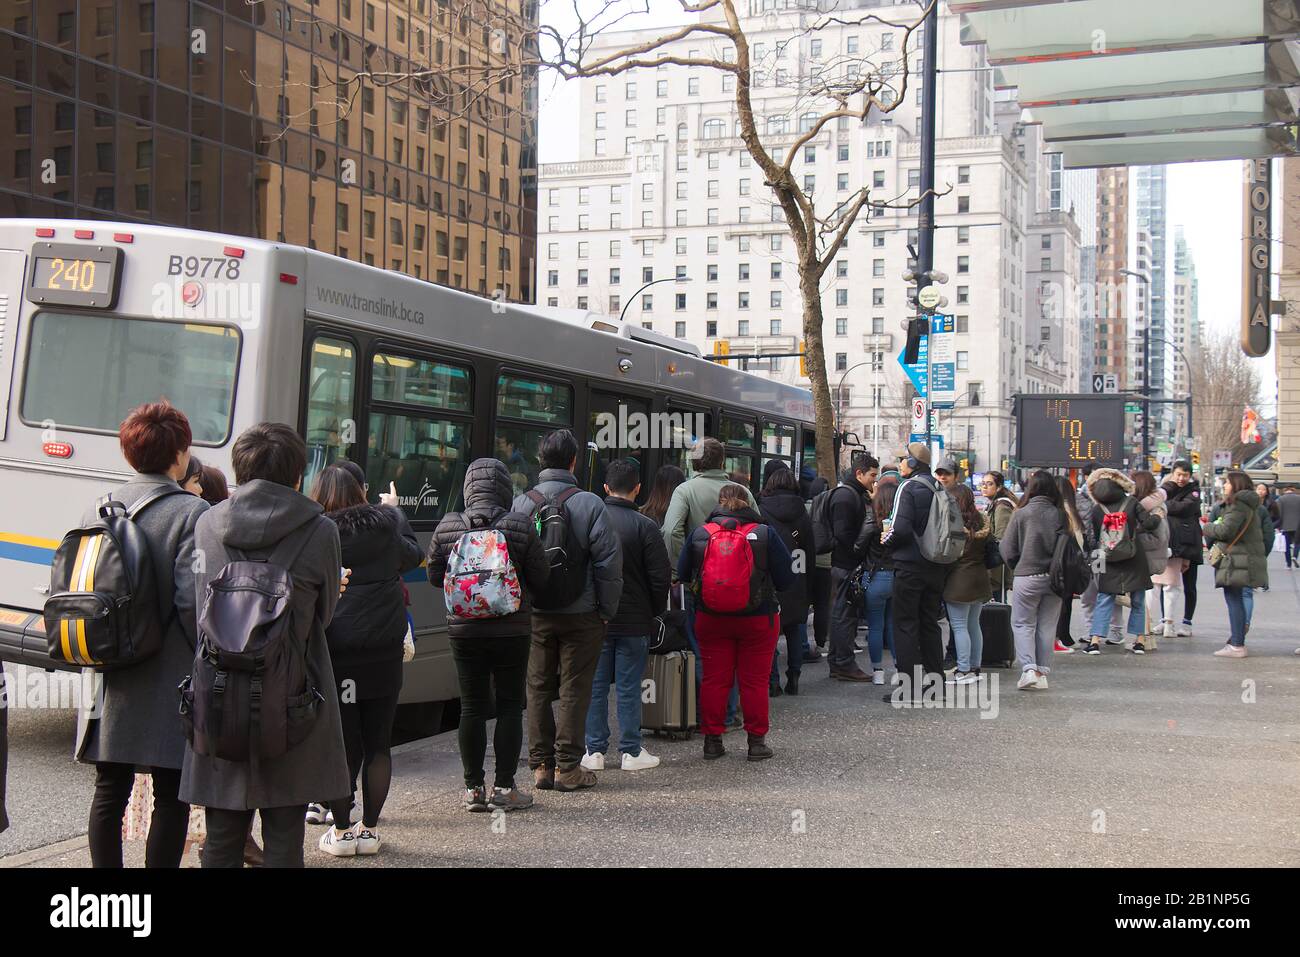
815	359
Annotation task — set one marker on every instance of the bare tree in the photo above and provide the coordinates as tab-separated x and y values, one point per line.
1224	381
849	88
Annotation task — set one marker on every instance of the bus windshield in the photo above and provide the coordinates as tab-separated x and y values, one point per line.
85	372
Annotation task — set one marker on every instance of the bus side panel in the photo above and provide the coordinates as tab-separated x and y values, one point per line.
13	266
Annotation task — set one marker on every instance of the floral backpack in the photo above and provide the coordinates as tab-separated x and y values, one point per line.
1116	539
481	581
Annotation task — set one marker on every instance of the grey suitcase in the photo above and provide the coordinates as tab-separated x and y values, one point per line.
668	694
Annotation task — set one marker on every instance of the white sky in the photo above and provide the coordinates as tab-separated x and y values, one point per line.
1204	198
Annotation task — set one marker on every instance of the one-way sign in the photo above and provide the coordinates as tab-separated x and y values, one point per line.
1105	382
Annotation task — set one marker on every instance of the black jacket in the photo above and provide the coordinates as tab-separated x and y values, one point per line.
1184	507
646	571
370	620
1113	492
848	507
778	556
785	514
911	516
874	553
488	492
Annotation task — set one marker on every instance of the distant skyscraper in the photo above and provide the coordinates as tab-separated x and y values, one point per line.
1151	215
1110	333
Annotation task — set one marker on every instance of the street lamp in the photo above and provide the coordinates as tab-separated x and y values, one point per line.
652	282
1146	367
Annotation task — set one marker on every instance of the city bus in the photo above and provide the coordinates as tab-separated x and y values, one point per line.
410	380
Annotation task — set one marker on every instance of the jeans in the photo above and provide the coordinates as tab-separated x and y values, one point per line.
283	831
1238	615
622	663
1106	608
561	664
735	650
167	828
796	640
880	616
1248	602
1035	609
1292	547
965	619
481	665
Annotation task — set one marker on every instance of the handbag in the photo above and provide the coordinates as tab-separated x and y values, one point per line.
1218	553
668	631
992	553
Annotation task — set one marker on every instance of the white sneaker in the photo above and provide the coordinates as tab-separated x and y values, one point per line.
593	762
339	844
640	762
1041	683
1169	631
367	841
319	814
1231	651
878	676
1184	630
1028	681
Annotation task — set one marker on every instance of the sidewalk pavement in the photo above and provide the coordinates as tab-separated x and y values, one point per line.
1174	759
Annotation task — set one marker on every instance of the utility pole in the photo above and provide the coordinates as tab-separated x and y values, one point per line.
925	212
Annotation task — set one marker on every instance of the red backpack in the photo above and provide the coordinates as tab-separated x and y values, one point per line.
731	575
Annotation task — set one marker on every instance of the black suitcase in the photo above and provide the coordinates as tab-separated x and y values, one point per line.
999	643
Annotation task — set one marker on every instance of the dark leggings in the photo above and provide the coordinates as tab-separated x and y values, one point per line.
1063	623
1189	592
368	738
483	664
167	828
820	580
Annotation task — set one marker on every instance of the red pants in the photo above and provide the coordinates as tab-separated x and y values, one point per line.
731	648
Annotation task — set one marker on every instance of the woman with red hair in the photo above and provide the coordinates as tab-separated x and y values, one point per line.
136	725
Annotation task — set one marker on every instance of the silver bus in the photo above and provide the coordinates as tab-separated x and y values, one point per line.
410	380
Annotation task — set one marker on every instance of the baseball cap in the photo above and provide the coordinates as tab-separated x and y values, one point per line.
948	464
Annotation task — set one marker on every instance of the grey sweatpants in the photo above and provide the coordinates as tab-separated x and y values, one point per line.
1034	611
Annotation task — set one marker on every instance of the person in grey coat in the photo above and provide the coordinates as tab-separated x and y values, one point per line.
1028	546
264	510
567	641
135	723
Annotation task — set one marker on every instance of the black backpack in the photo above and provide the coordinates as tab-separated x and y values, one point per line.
1070	573
104	610
820	513
249	692
568	560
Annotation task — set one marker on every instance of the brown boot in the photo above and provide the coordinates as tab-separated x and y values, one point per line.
574	779
544	779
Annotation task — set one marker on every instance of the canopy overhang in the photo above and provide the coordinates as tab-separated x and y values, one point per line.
1137	82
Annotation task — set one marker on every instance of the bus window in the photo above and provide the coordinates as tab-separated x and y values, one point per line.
739	468
778	440
687	427
87	372
528	409
423	453
809	446
331	417
617	436
737	432
424	458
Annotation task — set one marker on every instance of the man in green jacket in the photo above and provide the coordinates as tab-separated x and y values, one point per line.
696	498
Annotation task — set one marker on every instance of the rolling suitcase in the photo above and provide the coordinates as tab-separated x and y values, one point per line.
668	694
999	644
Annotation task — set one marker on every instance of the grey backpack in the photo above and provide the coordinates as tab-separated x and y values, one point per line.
249	693
944	538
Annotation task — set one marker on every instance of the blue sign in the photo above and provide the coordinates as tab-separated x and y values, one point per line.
916	371
943	364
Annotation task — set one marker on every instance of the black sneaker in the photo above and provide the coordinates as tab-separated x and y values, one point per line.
1092	648
1138	649
476	799
815	654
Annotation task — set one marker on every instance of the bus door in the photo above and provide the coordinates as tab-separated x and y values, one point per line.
618	427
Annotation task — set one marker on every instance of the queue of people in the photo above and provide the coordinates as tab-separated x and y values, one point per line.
288	697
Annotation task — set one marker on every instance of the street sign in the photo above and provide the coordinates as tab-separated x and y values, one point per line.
1105	383
1222	458
929	297
1070	431
918	418
1133	408
943	362
916	371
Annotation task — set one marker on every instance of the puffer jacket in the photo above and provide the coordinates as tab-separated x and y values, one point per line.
785	514
1246	563
1112	491
969	581
1183	505
1156	542
487	505
369	621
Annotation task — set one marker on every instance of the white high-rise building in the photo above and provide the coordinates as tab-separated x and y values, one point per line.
1185	321
663	188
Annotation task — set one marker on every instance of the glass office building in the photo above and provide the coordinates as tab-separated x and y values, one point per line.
240	117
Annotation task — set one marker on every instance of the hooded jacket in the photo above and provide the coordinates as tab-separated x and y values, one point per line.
1112	491
1183	504
778	556
784	512
369	624
487	505
848	507
1031	535
969	581
257	517
1156	542
590	523
646	572
1246	563
138	723
691	505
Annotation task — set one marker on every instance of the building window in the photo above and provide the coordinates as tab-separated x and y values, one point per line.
963	361
963	174
711	300
963	294
963	264
841	361
711	329
841	327
774	299
742	272
963	204
742	300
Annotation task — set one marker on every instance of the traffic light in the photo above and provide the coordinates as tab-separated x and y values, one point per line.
1196	458
723	348
803	360
965	466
